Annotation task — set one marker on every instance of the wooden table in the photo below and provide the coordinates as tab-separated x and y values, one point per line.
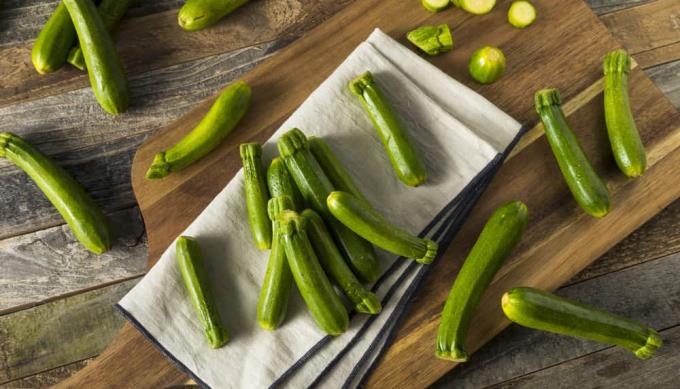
55	299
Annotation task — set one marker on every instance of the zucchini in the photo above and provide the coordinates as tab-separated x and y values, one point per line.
111	11
107	77
536	309
192	268
370	225
278	280
335	266
627	146
333	168
499	237
220	120
320	297
256	194
487	65
315	188
432	40
198	14
435	5
476	7
586	186
521	13
281	183
81	213
405	160
54	41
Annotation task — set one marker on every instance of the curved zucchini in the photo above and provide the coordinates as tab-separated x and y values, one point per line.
586	186
278	280
54	41
81	213
405	160
627	146
281	183
256	195
220	120
107	77
370	225
192	268
335	266
198	14
111	11
322	301
499	237
315	188
536	309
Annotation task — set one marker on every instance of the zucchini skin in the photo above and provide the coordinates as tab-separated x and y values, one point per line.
281	183
81	213
588	189
198	14
195	277
370	225
54	41
499	237
315	188
536	309
405	160
487	65
220	120
278	280
432	40
624	137
107	77
257	196
335	266
323	303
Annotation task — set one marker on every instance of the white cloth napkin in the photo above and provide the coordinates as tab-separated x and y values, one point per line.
462	137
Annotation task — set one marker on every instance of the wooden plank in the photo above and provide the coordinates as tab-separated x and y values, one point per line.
59	332
602	7
647	292
47	378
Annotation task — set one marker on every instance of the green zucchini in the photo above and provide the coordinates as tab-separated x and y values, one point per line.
406	161
107	77
81	213
521	13
435	5
487	65
322	301
335	266
198	14
370	225
278	280
255	186
192	268
281	183
315	188
586	186
111	11
432	40
536	309
627	146
476	7
499	237
220	120
54	41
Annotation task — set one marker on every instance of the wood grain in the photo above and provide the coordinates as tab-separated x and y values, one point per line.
47	378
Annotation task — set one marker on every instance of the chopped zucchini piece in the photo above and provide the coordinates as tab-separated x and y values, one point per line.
432	39
521	13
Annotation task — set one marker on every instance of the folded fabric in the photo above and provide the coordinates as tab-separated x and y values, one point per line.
463	139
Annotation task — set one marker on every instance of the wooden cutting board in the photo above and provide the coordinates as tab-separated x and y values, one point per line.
563	49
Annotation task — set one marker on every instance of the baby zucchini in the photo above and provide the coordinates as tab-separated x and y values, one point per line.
195	276
199	14
223	116
278	280
500	235
256	194
405	160
281	183
476	7
107	77
627	146
536	309
370	225
323	303
315	188
83	216
335	266
585	185
432	40
54	41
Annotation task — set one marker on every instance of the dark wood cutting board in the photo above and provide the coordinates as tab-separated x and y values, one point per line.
563	49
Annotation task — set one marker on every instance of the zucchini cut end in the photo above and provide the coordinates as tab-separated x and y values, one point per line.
360	83
455	354
250	150
654	341
477	7
435	5
430	254
545	98
617	61
292	141
521	14
159	167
